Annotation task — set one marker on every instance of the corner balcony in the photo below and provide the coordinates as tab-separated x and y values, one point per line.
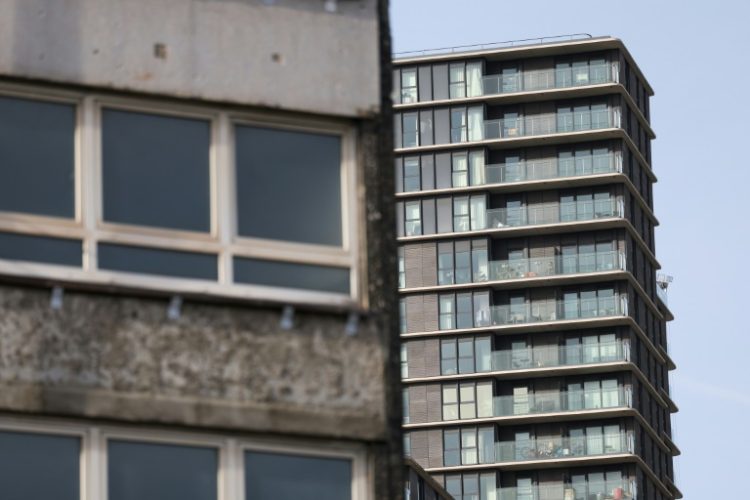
547	169
547	79
559	265
561	402
574	355
507	453
622	490
558	310
543	124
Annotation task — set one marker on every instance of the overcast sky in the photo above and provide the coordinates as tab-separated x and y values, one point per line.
696	55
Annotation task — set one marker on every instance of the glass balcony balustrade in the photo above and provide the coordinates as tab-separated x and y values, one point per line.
545	79
552	266
609	490
532	215
562	401
557	356
548	168
552	310
592	444
548	123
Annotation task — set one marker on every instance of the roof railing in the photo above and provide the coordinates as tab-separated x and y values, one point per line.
496	45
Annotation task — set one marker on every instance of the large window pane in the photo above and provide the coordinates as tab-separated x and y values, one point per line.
159	262
292	275
39	466
37	157
288	185
155	170
151	471
41	249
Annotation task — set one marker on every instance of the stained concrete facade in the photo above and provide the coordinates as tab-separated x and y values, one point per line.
112	356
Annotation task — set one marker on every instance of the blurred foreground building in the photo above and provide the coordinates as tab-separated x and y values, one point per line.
534	331
196	248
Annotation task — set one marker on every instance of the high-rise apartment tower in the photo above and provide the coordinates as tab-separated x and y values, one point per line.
534	352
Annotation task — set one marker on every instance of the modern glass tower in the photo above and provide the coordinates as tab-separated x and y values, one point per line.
534	352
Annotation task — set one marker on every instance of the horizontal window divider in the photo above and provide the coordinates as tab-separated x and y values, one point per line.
198	245
41	226
290	252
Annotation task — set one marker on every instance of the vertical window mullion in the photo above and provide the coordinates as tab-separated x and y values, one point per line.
223	203
90	181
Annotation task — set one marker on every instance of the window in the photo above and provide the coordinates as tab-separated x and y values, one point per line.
401	268
413	218
40	460
409	85
405	403
37	465
457	80
581	72
466	355
402	315
445	263
404	361
464	310
582	116
412	177
37	154
465	80
460	166
270	476
585	205
467	124
138	470
467	400
410	134
176	198
472	486
469	213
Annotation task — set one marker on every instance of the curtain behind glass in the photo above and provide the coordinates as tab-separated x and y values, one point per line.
476	123
473	79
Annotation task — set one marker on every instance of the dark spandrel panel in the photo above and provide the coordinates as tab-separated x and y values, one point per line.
37	157
273	476
156	170
150	471
291	275
156	261
41	249
288	185
39	466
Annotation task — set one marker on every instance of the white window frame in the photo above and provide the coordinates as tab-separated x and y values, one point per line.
221	241
230	474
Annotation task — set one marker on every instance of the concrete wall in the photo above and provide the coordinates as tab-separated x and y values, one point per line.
216	366
292	54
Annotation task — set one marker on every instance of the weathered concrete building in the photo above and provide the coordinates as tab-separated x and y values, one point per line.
197	252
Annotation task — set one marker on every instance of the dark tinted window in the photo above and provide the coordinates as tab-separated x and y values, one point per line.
149	471
41	249
288	185
291	275
156	170
39	466
272	476
155	261
37	157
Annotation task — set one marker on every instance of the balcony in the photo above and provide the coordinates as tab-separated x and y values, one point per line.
561	402
533	215
546	79
548	448
559	356
549	123
559	265
552	310
548	168
622	490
